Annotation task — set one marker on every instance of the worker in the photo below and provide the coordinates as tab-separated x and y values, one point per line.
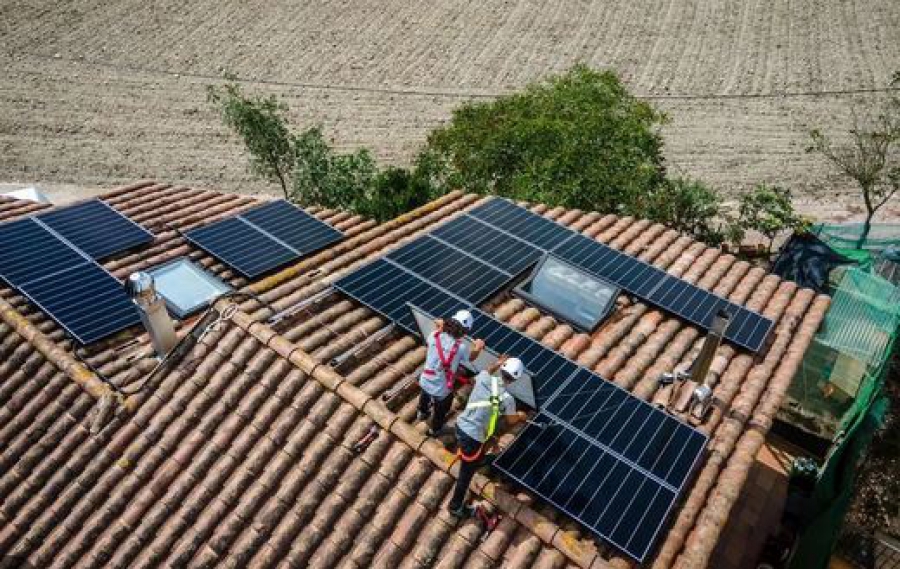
476	425
446	349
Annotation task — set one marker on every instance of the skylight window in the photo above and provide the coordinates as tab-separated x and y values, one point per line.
186	287
569	293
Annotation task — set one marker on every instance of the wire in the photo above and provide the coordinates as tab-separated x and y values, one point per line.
432	92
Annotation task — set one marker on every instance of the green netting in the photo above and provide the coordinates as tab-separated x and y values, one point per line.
845	239
837	395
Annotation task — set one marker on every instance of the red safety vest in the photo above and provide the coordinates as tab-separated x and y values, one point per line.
446	363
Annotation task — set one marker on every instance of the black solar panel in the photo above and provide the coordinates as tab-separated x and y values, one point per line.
450	268
85	300
494	247
241	246
28	251
291	225
387	288
628	426
96	228
264	238
612	498
518	221
698	306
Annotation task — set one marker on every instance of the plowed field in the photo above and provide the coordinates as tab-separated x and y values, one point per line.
102	92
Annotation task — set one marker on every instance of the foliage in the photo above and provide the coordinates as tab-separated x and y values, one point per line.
261	124
769	211
309	171
578	140
871	156
688	206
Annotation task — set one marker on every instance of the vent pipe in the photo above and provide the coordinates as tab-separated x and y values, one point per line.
701	397
153	312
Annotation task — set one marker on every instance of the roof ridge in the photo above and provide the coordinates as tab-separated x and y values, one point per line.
584	554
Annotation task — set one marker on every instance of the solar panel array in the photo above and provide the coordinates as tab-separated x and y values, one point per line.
51	259
264	238
609	460
747	328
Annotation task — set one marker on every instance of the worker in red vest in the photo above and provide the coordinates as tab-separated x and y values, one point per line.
446	349
477	423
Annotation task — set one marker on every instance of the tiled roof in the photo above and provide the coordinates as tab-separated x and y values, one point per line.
240	452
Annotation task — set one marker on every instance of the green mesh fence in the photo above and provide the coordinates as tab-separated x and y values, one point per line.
837	394
845	239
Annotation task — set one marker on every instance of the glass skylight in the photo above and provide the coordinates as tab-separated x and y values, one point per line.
186	287
569	293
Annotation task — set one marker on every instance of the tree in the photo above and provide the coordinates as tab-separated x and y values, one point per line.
261	124
871	156
308	170
770	211
688	206
579	140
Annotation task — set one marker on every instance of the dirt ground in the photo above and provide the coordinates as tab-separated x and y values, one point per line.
96	93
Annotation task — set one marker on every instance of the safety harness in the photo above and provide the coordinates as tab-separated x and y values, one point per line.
493	401
446	363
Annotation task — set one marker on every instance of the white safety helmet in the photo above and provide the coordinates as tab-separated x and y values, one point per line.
464	318
514	367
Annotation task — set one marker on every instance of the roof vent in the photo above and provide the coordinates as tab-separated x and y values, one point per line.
153	312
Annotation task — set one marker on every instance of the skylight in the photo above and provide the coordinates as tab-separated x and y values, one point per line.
186	287
569	293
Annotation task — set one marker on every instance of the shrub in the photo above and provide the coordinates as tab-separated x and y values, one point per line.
770	211
579	140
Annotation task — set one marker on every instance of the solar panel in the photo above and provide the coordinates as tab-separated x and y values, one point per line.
698	306
241	246
535	229
85	300
28	251
450	268
264	238
96	228
612	498
387	288
492	246
292	226
627	426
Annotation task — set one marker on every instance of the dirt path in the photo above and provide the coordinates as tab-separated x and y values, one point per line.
98	93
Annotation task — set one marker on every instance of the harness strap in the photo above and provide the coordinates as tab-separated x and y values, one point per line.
493	402
470	457
446	363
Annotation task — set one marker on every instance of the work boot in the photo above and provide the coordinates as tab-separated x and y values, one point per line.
462	512
422	415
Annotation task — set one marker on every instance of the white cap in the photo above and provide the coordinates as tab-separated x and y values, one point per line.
514	367
464	317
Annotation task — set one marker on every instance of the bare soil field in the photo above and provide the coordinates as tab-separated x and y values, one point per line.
94	93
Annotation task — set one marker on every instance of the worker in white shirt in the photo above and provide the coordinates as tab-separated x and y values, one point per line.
476	425
446	349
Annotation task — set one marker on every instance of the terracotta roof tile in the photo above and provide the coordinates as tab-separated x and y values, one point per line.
240	454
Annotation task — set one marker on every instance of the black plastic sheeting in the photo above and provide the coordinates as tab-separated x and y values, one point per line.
807	260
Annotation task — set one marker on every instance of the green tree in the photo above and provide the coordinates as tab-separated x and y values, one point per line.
770	211
307	168
870	156
261	124
688	206
579	140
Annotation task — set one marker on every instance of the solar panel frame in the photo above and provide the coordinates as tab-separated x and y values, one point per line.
264	238
615	477
96	228
492	246
85	300
508	217
293	227
28	250
241	246
449	268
